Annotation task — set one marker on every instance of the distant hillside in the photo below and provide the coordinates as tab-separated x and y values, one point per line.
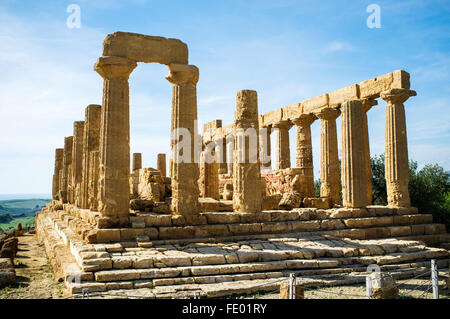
16	211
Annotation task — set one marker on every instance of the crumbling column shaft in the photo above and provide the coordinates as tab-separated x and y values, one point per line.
329	161
59	157
247	195
137	161
77	161
91	143
265	148
396	148
282	145
161	164
352	161
304	156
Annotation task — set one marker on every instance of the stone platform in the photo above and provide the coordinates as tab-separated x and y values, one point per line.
222	253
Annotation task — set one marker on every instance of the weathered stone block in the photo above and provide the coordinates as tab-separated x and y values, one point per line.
398	231
237	229
320	202
222	218
211	231
107	235
176	232
304	226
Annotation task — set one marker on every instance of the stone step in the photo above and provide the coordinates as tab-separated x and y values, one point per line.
222	286
373	227
255	267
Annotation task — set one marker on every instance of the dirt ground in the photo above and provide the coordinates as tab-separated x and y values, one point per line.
34	275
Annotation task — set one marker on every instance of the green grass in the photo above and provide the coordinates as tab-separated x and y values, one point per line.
21	211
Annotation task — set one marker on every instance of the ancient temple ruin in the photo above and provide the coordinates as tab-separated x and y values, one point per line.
220	214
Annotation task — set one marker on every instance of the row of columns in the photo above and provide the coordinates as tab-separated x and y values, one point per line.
356	173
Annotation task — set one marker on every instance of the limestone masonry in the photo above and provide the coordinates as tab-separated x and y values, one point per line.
220	221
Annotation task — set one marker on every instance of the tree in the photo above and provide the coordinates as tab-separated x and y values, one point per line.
429	188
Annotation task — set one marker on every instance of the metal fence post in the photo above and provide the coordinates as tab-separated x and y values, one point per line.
434	279
292	285
368	287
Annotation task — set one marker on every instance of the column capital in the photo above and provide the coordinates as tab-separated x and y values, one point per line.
114	67
304	119
282	125
182	74
367	104
327	113
395	96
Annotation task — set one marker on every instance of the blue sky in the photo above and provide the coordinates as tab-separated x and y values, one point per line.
287	51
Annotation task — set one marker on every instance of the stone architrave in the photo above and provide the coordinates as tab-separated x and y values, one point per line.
184	176
91	144
114	197
282	145
77	161
265	148
59	156
304	157
329	159
66	171
247	195
396	147
137	161
366	106
161	164
353	173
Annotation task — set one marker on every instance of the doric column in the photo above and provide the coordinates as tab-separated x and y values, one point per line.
66	171
91	143
59	156
114	188
137	161
304	157
94	177
185	174
161	164
247	195
264	144
366	106
396	147
230	155
353	172
209	172
77	161
282	145
222	155
329	161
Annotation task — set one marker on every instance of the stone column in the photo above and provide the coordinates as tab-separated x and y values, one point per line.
77	161
137	161
114	188
94	176
185	190
366	106
91	143
161	164
353	173
59	156
66	171
282	146
265	152
222	155
210	172
230	158
304	157
329	161
247	195
396	147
